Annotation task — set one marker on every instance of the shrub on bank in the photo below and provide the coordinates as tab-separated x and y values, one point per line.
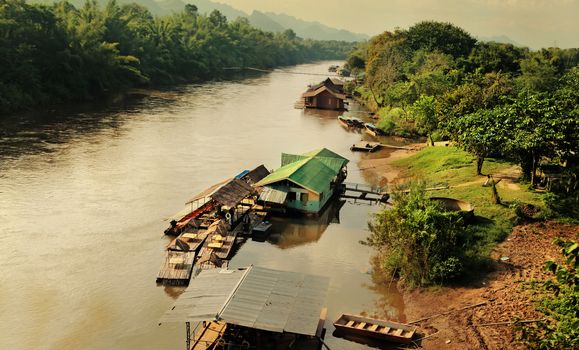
417	239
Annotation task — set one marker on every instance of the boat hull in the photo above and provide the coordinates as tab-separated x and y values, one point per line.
374	328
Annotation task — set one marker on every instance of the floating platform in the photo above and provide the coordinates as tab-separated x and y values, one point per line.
366	146
177	268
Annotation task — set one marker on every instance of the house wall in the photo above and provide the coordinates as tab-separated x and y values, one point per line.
314	201
326	100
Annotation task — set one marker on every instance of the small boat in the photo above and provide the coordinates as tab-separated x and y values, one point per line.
345	121
365	146
261	231
177	226
372	129
375	328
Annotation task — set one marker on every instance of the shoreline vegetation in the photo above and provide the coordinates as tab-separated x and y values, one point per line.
504	277
58	53
509	119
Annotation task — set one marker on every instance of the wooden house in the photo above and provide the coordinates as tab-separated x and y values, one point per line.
305	182
329	94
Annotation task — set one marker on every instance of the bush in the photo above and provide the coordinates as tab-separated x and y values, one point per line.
417	239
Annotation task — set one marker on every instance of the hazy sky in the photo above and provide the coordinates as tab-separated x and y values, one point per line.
535	23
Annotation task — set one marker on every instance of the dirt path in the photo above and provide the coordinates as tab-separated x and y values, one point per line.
502	293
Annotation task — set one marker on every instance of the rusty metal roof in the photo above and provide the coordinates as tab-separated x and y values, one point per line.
256	297
227	193
256	174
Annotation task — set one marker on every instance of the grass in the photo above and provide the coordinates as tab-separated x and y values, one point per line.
457	168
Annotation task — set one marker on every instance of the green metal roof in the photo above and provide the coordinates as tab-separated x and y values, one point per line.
313	170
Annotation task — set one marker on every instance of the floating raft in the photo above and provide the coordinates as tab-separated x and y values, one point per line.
177	268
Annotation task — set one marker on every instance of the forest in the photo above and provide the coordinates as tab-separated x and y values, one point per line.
60	53
434	79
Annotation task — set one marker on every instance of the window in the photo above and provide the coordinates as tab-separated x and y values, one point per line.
291	196
304	197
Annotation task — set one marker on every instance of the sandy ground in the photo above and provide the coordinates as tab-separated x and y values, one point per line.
456	317
502	294
380	168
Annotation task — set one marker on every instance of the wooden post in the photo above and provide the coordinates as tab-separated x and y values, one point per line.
188	331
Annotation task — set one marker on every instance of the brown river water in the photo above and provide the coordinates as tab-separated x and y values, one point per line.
84	195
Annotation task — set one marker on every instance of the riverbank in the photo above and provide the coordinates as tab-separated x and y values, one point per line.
463	317
458	317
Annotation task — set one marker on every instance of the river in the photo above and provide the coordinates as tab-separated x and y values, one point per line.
84	195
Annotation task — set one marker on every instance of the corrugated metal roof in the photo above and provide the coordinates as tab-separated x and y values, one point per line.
273	195
313	170
204	297
260	298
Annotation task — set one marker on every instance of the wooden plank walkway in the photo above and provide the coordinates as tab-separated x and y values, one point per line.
176	269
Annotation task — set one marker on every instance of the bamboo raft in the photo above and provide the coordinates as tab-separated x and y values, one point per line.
177	268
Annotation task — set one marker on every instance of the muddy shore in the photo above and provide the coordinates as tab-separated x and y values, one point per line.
458	317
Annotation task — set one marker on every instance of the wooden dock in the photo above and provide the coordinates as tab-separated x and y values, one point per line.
364	193
177	268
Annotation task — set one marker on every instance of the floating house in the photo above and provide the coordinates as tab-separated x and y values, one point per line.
252	308
329	94
304	183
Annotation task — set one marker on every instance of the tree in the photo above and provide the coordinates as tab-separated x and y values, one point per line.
487	57
480	133
444	37
424	112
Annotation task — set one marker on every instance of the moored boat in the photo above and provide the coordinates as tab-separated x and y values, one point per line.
372	129
375	328
344	121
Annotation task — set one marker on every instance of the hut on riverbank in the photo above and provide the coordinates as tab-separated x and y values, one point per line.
305	182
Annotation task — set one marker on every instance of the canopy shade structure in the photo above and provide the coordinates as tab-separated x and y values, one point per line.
254	297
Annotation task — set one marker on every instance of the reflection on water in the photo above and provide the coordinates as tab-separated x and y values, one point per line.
83	194
292	232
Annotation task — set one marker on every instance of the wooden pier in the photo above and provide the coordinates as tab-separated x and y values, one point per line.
177	268
361	192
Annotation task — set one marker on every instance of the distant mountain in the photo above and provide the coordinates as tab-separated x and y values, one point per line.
206	6
262	21
315	30
503	39
267	21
